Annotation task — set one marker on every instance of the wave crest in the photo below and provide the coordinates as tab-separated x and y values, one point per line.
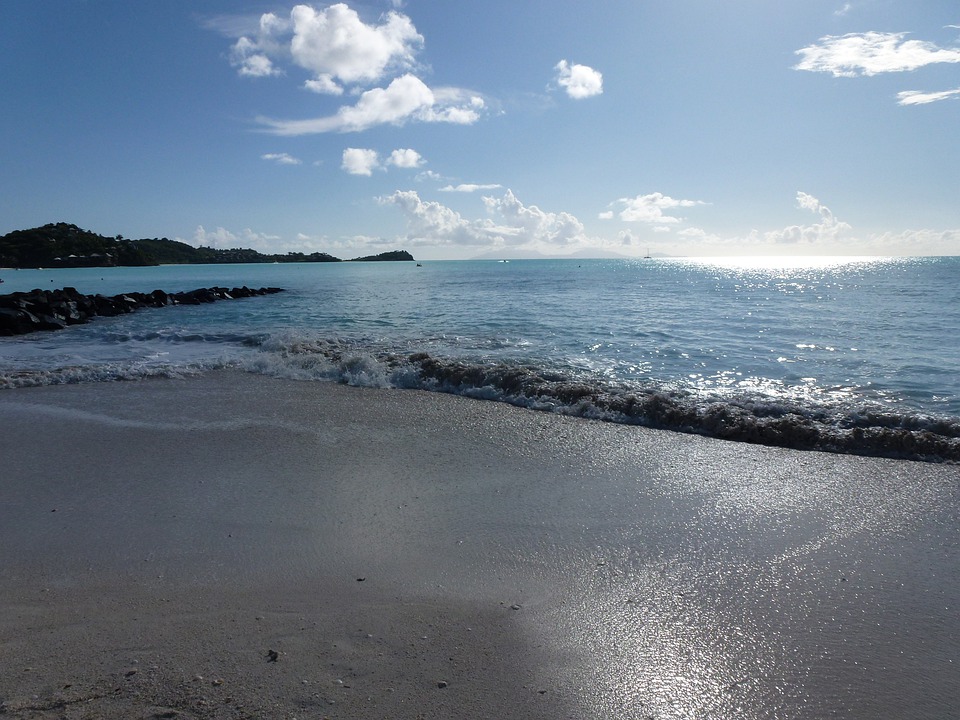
765	420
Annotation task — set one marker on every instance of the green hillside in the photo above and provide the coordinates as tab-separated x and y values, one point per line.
66	245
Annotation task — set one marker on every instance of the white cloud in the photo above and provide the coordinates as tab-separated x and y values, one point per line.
252	57
219	238
333	44
915	97
430	223
245	55
360	161
344	55
323	86
580	81
363	161
454	105
698	234
223	239
281	158
918	242
512	224
405	98
405	158
871	53
394	104
650	209
532	225
828	230
469	187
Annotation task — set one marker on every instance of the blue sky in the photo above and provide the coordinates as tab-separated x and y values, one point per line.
500	128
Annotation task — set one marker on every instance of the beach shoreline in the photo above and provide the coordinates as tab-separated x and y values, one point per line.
413	554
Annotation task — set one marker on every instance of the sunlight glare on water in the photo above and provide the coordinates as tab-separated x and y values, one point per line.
785	262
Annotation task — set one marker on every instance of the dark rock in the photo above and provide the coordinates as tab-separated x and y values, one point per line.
26	312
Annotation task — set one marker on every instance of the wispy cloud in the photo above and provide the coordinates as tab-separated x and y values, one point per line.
847	7
469	187
281	158
579	81
224	239
406	98
871	53
916	97
653	209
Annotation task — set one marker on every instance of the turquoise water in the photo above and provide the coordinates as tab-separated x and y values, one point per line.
747	349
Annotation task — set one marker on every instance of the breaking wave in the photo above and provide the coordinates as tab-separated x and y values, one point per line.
850	424
862	429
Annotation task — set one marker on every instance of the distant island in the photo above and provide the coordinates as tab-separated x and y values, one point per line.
59	245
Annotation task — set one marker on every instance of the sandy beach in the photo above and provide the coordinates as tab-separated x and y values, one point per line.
235	546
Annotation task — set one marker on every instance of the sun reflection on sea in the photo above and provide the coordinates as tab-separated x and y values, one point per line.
786	262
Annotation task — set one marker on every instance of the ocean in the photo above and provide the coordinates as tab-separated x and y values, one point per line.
857	355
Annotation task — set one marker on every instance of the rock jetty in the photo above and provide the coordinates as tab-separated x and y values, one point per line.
26	312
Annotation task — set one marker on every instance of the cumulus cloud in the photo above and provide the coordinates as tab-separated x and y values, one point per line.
281	158
829	229
405	98
333	44
431	223
650	209
343	56
579	81
534	226
871	53
405	158
363	161
360	161
510	224
915	97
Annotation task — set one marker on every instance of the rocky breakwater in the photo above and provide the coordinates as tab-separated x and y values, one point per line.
26	312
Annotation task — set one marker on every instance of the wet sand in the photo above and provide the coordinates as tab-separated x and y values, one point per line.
235	546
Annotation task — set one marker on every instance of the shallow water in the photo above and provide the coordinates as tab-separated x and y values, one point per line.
852	354
653	574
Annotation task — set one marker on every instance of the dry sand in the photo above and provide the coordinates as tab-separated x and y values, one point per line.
234	546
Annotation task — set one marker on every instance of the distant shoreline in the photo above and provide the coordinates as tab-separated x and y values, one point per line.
64	245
